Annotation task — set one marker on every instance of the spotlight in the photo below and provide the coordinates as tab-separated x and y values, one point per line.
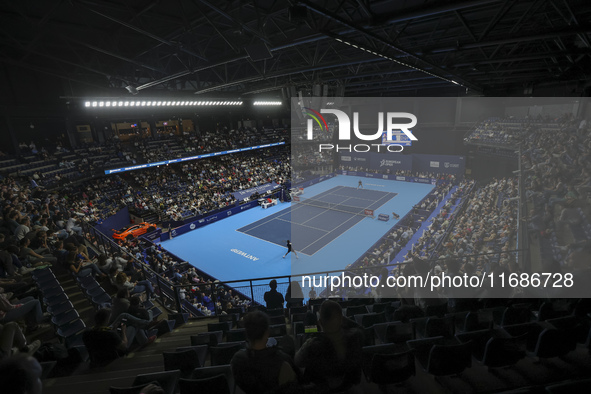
87	104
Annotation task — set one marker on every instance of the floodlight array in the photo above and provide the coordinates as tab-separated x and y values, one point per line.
159	103
267	103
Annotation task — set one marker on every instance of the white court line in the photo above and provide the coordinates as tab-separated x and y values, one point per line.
352	217
272	243
297	224
325	210
328	243
272	216
359	198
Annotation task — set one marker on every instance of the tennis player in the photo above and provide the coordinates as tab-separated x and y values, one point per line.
360	185
290	249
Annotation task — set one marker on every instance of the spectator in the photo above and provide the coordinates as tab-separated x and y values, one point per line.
80	269
27	308
120	304
23	228
102	342
332	360
273	298
21	374
11	336
123	281
259	368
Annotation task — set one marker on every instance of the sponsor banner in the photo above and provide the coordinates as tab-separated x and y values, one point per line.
431	181
314	181
383	217
154	235
244	194
161	163
445	164
391	161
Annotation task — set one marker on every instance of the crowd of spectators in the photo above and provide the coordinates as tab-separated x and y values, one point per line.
195	188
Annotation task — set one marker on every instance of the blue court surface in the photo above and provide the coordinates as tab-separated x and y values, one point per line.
251	244
312	227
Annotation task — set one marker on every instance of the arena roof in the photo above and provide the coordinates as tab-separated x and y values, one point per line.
240	48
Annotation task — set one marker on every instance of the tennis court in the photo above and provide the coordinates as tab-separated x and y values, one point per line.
311	224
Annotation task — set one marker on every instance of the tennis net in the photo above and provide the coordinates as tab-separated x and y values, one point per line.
333	206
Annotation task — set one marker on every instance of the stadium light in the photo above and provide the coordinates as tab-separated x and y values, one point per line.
154	103
275	103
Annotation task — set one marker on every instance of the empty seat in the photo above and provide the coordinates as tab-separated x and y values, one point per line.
185	361
504	352
428	327
298	309
479	340
221	355
221	326
278	330
449	359
275	312
205	339
391	368
65	317
207	372
216	384
515	315
355	310
167	380
554	343
236	335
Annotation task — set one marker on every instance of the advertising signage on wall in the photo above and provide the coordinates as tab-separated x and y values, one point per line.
161	163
